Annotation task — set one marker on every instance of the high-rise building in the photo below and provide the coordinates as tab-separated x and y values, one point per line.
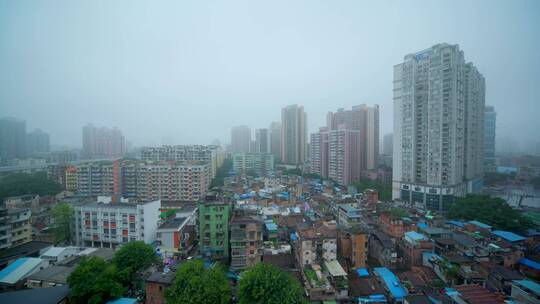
293	135
240	139
490	120
319	152
262	141
143	180
365	120
388	144
12	138
344	155
275	139
253	163
102	142
211	154
337	154
37	141
438	127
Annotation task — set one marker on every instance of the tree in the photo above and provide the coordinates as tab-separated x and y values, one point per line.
385	191
196	285
62	214
490	210
398	212
94	281
265	283
23	183
221	173
134	257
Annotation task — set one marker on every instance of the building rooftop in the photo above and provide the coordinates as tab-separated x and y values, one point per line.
162	278
51	295
528	284
480	225
18	270
174	223
392	282
415	236
335	269
476	294
31	247
508	236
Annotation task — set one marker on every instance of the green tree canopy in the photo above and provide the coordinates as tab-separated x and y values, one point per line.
196	285
94	281
134	257
62	214
385	191
23	183
265	283
221	173
490	210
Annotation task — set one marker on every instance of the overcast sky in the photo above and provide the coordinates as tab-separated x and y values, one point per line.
185	72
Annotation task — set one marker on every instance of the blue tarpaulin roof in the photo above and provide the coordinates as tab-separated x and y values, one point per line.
415	235
294	237
362	272
270	225
456	223
530	263
509	236
392	283
422	225
535	287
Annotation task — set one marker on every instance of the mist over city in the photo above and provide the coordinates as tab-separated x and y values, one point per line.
247	152
156	70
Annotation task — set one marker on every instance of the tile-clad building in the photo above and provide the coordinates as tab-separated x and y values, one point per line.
144	180
213	222
246	241
258	163
211	154
110	224
438	127
317	244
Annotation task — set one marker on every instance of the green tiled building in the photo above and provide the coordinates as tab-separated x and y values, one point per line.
214	229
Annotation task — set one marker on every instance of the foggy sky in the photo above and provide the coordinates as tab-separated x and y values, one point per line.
185	72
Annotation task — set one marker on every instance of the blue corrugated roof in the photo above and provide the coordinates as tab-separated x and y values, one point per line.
293	236
362	272
392	283
456	223
535	287
270	225
530	263
12	267
422	225
509	236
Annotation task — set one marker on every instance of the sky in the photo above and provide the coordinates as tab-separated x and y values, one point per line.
185	72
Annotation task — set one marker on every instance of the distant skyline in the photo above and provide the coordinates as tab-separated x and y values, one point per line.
186	72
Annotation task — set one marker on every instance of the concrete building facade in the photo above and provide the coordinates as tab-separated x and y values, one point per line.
253	163
293	135
240	139
490	124
438	127
109	224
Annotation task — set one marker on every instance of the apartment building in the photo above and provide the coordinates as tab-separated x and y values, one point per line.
144	180
213	224
246	241
317	244
365	120
490	124
241	139
293	135
319	152
439	104
106	223
21	228
253	163
102	142
353	246
175	236
211	154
